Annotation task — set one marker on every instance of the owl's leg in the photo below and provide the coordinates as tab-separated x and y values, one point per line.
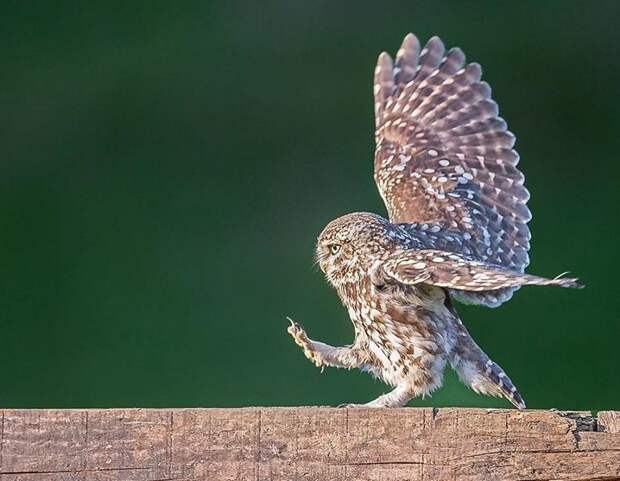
396	398
322	354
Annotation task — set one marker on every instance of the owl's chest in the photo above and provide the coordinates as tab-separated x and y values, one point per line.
396	311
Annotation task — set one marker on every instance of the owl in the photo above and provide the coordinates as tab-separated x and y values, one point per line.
456	230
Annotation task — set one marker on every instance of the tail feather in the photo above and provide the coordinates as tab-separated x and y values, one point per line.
480	373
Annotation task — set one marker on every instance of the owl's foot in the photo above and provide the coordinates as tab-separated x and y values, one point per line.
370	404
302	340
396	398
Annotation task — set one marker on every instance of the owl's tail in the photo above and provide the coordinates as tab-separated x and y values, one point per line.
480	373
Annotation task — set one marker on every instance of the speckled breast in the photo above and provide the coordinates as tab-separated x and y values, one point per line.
406	332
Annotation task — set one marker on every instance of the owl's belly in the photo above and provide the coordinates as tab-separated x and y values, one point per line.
406	342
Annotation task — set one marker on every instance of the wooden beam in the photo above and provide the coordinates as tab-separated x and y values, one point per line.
287	444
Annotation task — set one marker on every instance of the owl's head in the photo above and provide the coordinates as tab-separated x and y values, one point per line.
348	246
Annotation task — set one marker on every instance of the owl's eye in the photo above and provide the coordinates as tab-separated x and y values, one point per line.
334	249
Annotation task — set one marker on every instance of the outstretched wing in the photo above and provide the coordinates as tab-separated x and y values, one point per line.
448	270
444	161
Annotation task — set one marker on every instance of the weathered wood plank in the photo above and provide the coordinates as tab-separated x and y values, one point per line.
609	421
283	444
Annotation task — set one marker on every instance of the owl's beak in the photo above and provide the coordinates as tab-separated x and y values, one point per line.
320	256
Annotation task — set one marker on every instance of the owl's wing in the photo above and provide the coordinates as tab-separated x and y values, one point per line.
444	161
451	271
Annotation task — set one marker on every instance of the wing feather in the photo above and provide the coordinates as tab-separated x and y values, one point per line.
383	84
444	160
407	60
442	269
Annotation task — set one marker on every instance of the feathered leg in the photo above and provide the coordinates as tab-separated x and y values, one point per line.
322	354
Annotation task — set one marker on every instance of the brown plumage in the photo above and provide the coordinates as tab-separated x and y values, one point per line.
457	228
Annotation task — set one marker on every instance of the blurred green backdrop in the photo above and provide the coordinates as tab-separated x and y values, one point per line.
166	167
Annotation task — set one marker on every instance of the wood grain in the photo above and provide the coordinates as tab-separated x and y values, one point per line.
287	444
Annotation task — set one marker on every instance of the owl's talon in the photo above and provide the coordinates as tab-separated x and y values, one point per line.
298	334
301	339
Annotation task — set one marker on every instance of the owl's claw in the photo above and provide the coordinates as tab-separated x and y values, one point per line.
298	333
300	337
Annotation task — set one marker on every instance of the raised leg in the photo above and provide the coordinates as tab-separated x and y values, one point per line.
322	354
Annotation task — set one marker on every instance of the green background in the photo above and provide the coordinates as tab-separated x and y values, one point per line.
167	166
